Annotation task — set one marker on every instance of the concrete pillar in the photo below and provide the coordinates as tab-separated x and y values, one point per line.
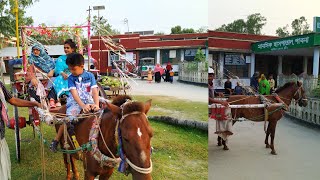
158	56
315	71
252	64
182	55
279	65
207	54
221	65
305	64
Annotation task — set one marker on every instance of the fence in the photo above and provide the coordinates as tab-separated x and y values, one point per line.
309	82
196	72
310	113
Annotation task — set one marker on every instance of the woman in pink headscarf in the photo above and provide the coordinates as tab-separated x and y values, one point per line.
158	71
168	69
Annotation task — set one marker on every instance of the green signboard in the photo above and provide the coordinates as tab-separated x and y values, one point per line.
301	41
316	24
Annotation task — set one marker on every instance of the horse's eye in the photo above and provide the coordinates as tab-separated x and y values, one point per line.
125	139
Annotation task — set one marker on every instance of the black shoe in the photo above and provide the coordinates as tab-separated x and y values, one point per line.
54	146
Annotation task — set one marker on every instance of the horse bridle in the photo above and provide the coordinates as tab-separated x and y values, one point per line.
300	97
124	160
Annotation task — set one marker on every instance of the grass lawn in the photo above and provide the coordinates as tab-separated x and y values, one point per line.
179	153
174	107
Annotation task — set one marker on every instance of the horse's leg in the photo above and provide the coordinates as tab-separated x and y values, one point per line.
105	176
75	171
273	132
219	141
88	176
67	165
266	141
224	143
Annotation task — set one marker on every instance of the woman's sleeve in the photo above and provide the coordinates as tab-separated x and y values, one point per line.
59	66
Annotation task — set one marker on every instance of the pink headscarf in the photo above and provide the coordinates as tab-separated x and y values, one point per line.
158	68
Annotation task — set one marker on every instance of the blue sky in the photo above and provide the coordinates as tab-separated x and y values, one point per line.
158	15
278	12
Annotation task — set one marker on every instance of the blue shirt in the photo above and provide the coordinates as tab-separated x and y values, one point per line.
238	90
83	84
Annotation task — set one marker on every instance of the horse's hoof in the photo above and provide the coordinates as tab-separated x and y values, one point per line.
225	148
267	146
273	153
219	144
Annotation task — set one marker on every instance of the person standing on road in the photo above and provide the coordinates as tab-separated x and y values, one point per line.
168	69
254	81
150	75
264	86
171	73
271	83
158	71
223	127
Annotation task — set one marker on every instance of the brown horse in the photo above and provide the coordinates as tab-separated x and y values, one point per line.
135	138
286	93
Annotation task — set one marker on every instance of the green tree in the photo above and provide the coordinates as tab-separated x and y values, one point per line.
188	30
255	23
159	33
102	26
299	26
252	25
236	26
199	57
176	30
283	31
8	18
201	30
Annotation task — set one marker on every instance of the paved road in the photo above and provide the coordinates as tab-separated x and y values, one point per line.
176	89
298	149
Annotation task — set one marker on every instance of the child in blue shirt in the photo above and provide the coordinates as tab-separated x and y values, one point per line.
84	93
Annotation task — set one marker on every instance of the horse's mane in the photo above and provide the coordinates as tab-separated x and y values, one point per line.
120	99
130	106
288	84
133	106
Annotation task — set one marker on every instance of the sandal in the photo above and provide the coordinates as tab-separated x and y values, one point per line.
54	146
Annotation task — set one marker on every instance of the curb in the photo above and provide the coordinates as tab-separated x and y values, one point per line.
186	123
193	83
302	122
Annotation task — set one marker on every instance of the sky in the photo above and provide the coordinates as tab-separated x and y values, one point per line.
278	12
142	15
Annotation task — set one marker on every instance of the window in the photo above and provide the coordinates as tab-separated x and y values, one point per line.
237	70
235	64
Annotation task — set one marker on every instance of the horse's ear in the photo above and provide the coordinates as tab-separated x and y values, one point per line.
299	83
147	106
114	109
